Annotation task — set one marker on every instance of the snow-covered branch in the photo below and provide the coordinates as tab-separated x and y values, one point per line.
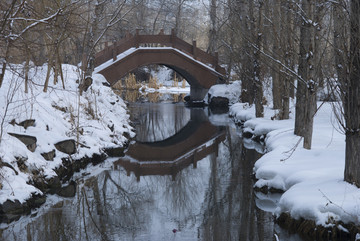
293	72
37	22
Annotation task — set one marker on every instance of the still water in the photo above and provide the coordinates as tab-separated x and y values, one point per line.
187	176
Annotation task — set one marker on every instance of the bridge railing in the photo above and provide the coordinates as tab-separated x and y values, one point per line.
160	40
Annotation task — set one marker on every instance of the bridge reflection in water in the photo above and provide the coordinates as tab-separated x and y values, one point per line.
196	140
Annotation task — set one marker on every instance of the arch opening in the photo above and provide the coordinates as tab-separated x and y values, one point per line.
200	76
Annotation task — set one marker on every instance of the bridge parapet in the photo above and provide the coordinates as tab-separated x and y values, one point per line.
160	40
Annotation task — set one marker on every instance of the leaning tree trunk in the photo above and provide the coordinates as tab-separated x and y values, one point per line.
89	57
352	101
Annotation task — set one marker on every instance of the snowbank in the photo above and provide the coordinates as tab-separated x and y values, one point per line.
312	180
95	120
231	92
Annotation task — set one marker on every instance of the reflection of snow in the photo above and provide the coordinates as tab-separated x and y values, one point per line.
267	202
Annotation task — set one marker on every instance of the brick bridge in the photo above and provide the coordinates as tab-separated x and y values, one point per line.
196	140
200	69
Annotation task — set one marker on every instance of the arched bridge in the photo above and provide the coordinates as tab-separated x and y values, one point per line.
199	68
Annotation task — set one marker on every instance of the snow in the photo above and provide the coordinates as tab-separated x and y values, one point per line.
312	180
231	91
58	113
167	89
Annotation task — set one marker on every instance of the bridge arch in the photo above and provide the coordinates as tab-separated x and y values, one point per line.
191	144
197	67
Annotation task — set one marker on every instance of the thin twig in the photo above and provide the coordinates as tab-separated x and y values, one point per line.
292	150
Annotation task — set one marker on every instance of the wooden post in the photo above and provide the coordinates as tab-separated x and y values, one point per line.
172	38
114	52
137	38
216	59
194	49
106	44
161	32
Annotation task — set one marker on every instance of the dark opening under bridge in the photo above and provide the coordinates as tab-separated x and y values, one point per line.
200	69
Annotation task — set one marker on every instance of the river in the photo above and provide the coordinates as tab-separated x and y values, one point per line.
186	176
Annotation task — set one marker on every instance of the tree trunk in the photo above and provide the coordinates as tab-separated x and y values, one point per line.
352	101
2	73
49	67
178	18
340	35
94	34
258	82
319	47
213	28
60	68
288	57
276	74
310	110
245	50
26	69
306	88
4	63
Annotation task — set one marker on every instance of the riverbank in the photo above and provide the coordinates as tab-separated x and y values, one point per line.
316	201
47	136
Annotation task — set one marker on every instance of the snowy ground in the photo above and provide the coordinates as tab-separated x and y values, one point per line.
312	180
97	120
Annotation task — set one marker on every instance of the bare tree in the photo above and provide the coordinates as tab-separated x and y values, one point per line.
98	27
350	89
213	35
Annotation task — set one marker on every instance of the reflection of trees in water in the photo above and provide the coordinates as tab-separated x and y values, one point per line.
118	204
158	122
153	97
131	96
103	209
230	212
182	194
178	97
217	198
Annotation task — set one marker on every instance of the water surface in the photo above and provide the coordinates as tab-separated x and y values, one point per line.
185	177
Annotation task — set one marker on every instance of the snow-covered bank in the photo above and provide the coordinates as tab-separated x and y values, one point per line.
312	180
231	92
95	121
